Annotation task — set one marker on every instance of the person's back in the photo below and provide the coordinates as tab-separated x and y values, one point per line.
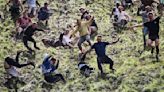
24	21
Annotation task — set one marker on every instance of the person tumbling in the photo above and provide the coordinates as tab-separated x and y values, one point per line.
49	68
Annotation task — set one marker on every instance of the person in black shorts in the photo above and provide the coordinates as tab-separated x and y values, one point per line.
27	36
153	27
102	58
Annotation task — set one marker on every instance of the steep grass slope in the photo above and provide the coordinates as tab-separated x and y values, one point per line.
134	72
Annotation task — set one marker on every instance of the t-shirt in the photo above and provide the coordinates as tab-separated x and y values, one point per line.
31	3
83	29
30	31
47	67
153	27
24	22
66	39
100	48
144	16
122	16
115	11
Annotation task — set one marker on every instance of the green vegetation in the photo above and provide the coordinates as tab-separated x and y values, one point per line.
134	72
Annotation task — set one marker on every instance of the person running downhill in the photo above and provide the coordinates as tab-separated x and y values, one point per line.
145	19
153	27
15	6
27	36
102	58
82	28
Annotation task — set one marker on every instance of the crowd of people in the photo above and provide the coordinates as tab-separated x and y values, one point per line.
85	29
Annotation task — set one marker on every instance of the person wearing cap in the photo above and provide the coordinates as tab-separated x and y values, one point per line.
84	13
102	58
49	67
11	65
43	14
154	28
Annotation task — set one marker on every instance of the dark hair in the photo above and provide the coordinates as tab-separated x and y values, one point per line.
53	59
45	3
8	59
99	36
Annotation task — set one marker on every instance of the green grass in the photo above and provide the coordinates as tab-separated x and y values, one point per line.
134	72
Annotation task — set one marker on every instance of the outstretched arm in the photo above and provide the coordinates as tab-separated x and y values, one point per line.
37	3
139	25
114	42
57	65
39	29
89	22
24	1
17	56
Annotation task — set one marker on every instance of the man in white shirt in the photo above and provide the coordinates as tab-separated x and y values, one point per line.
123	17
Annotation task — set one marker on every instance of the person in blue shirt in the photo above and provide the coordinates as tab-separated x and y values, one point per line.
102	58
49	68
43	14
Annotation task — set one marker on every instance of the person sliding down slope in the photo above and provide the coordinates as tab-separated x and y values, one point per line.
49	68
11	64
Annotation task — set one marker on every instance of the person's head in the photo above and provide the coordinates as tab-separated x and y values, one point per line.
8	59
53	61
120	8
44	41
45	4
117	5
82	10
99	38
34	25
88	17
148	8
66	32
151	16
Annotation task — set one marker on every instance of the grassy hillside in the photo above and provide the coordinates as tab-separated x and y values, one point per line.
134	72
